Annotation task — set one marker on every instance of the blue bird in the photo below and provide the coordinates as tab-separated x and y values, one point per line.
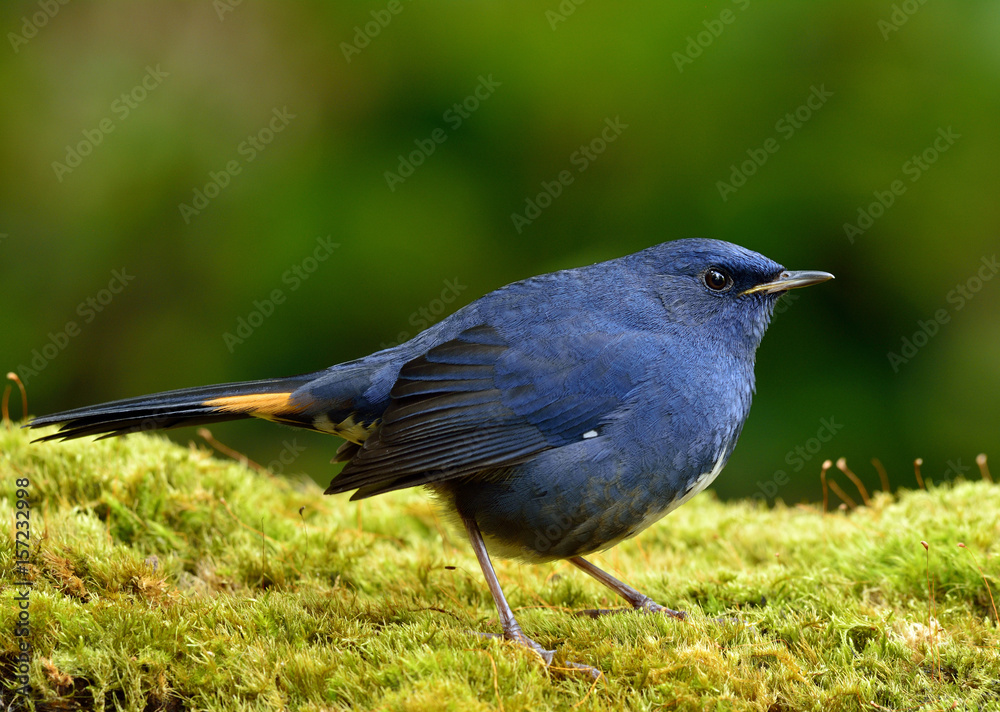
552	418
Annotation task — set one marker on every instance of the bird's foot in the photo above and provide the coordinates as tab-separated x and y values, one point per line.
520	638
647	606
581	667
651	606
639	601
546	655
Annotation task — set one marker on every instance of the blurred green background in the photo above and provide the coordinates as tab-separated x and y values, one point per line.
189	156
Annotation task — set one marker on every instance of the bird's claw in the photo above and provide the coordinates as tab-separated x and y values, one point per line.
651	606
521	639
581	667
647	606
546	655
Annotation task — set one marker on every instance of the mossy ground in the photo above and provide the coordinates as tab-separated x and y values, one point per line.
167	579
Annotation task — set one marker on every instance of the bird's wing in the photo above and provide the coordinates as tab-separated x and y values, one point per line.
480	402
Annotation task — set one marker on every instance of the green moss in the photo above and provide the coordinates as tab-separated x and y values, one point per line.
167	579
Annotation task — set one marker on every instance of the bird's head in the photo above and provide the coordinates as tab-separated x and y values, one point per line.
718	289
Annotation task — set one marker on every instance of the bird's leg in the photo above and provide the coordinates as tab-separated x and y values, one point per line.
511	628
638	600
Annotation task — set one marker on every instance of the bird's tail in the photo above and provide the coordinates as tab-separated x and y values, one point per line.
272	399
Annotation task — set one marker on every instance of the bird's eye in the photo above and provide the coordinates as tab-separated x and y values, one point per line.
718	280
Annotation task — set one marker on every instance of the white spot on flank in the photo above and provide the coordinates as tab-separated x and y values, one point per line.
590	434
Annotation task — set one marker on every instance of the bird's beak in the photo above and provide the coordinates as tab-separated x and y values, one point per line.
789	280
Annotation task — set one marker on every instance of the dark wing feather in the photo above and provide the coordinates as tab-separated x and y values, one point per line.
479	403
